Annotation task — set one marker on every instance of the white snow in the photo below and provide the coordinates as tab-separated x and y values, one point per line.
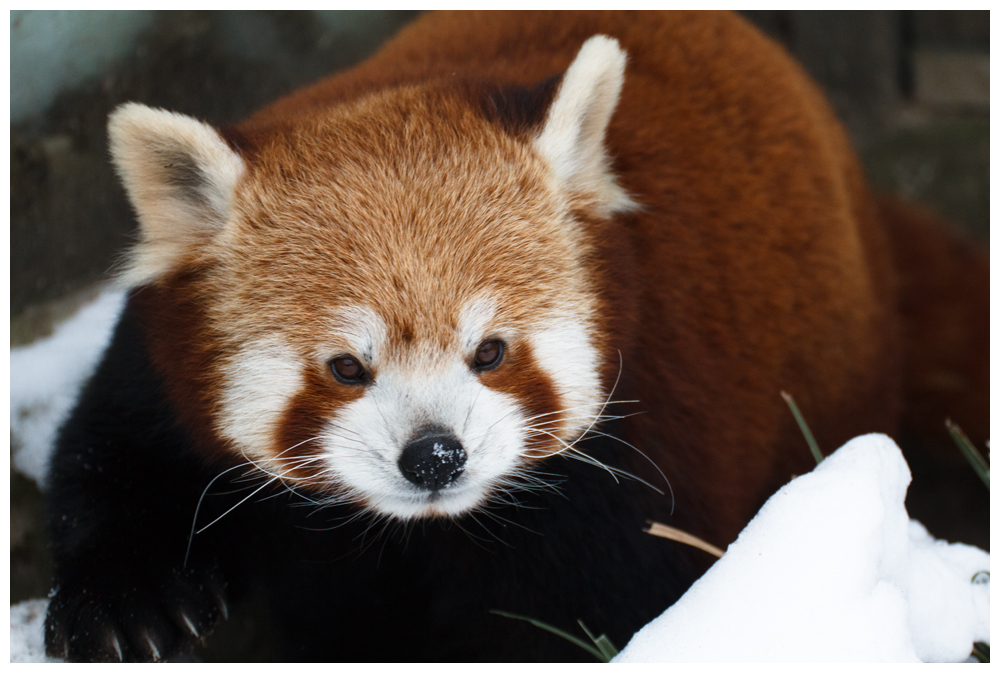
46	376
27	621
830	569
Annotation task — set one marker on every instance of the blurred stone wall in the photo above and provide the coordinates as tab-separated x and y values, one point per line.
913	88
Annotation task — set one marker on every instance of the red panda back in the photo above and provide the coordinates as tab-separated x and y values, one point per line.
755	264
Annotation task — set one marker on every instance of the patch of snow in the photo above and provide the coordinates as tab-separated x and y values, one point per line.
46	376
947	609
831	569
27	634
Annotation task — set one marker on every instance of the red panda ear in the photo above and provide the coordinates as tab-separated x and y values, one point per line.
180	176
572	136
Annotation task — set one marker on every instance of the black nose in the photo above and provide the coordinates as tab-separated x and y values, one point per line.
433	461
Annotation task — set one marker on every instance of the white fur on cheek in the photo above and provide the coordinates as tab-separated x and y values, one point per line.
260	380
565	351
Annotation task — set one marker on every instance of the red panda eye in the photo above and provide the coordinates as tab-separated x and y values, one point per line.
347	369
488	355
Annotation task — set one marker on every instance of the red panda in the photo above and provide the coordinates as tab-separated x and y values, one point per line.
438	335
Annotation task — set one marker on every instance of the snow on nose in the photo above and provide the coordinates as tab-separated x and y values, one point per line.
433	460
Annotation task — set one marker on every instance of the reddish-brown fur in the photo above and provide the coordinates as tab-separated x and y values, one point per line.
757	262
738	296
713	246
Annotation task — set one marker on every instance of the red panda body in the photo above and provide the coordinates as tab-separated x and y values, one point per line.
411	292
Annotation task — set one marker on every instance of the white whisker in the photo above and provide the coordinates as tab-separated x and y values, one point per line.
217	519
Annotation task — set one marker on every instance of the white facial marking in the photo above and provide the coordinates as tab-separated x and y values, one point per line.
260	380
473	322
363	330
563	348
363	444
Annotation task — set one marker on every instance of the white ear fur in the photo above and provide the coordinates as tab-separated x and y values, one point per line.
572	137
180	176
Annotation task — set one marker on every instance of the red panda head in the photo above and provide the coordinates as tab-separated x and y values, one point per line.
393	295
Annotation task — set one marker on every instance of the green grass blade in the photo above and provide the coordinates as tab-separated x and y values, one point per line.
979	464
981	651
810	440
606	647
559	632
602	642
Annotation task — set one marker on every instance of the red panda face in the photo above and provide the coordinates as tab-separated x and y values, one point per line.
398	287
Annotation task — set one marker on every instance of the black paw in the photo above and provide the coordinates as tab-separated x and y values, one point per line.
90	620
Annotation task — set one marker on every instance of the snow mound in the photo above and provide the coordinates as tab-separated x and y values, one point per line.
27	623
46	376
831	569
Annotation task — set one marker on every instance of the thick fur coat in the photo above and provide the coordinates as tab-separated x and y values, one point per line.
375	362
